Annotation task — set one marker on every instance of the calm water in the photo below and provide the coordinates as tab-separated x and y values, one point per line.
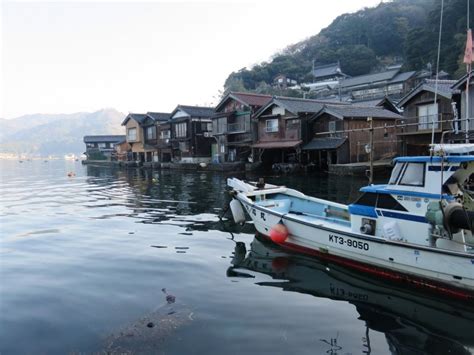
138	262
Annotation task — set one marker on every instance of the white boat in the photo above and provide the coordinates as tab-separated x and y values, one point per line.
416	229
70	156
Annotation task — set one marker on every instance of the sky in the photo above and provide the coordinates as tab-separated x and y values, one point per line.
75	56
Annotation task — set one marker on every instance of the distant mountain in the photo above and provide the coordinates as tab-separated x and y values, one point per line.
59	134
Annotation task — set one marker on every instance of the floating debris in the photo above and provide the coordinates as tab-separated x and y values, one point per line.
147	334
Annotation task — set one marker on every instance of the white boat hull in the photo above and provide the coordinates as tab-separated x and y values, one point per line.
423	266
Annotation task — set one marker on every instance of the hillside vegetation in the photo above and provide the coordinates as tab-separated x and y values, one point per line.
401	31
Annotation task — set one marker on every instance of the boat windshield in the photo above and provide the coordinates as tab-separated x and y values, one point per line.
395	173
414	175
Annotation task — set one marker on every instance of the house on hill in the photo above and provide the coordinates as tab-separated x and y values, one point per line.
281	81
420	111
328	72
191	134
340	135
391	83
232	125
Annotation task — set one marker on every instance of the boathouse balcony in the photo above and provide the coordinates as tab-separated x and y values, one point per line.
424	124
238	127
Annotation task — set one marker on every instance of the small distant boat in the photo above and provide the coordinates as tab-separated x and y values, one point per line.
70	156
417	228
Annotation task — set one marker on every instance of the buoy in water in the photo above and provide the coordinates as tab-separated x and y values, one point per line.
237	211
279	233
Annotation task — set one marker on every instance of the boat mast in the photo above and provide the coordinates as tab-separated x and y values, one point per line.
437	73
468	59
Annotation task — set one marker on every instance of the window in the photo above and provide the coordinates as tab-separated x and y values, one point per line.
180	130
151	132
381	201
426	115
165	134
387	202
206	126
414	175
332	126
395	173
102	145
367	199
132	134
271	125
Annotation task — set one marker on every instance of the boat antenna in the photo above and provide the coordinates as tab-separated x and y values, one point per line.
437	73
468	59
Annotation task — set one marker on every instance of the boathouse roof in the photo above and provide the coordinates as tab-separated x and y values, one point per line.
352	111
296	105
159	116
246	98
444	89
461	83
138	117
194	111
325	143
104	139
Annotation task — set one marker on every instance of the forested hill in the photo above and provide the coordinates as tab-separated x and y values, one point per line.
403	31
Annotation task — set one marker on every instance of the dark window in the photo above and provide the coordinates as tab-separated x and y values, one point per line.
389	203
367	199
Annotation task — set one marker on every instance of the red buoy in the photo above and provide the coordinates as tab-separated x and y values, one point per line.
279	233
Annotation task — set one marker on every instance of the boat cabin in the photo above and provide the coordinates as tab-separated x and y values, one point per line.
399	208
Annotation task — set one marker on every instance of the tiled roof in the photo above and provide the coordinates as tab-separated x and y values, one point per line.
252	99
246	98
296	105
368	103
445	89
139	117
401	77
159	116
353	111
369	78
277	144
325	143
104	139
195	111
326	70
458	84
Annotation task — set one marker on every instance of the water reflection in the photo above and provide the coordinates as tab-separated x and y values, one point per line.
180	198
413	322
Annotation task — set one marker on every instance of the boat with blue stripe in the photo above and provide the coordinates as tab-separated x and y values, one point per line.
419	225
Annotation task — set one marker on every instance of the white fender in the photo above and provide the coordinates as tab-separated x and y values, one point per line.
237	211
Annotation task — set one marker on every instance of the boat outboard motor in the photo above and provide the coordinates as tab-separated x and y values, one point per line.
448	218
